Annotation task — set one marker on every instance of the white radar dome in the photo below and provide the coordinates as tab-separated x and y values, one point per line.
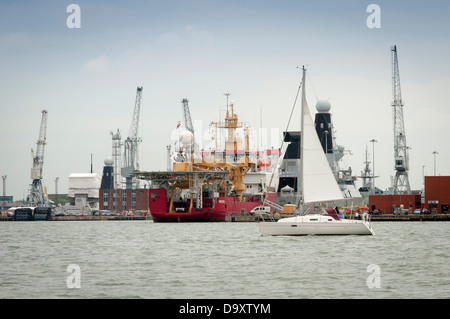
323	106
186	138
109	161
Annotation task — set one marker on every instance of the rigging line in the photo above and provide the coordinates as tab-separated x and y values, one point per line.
282	143
314	91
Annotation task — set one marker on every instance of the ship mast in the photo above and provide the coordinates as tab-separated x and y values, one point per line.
231	124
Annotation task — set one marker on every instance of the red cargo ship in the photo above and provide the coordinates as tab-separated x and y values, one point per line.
206	188
200	195
210	212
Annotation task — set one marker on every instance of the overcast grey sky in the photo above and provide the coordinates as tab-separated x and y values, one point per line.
87	77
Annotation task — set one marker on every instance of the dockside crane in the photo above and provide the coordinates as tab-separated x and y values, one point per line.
131	145
187	116
187	137
36	196
401	181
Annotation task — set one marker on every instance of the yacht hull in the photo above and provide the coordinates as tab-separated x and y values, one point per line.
303	228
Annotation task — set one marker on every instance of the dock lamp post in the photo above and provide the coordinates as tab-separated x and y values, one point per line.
373	141
423	176
56	188
4	192
435	153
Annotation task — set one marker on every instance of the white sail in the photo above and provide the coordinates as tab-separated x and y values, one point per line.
318	185
318	182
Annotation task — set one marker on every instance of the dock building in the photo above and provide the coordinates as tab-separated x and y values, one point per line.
117	199
436	199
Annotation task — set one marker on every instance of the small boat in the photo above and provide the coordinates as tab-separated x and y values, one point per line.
324	221
318	186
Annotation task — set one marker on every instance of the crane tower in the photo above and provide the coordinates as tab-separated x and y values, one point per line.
36	196
401	181
131	158
187	116
117	159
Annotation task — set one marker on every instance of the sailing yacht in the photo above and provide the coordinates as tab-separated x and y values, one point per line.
318	186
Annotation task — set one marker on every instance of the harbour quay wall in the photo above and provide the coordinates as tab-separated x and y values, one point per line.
411	217
85	218
248	218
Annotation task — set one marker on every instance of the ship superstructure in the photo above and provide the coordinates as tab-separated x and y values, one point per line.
289	171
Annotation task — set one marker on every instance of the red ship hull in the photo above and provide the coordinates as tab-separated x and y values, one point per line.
195	216
159	208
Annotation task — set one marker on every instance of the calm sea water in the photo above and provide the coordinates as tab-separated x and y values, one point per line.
142	259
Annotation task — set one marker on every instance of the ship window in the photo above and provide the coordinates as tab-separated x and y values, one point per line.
154	195
314	219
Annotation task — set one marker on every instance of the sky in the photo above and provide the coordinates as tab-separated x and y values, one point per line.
86	77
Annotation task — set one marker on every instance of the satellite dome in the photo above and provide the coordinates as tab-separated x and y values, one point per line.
186	138
323	106
109	161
